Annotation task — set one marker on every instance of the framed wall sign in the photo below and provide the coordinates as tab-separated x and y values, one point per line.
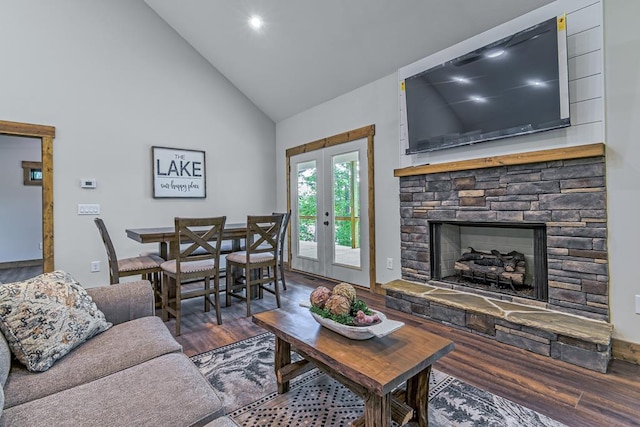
178	173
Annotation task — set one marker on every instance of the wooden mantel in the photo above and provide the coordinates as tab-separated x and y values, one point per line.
566	153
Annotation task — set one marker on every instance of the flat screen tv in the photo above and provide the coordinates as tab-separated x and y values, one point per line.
514	86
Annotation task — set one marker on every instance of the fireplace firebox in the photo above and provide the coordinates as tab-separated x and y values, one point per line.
495	257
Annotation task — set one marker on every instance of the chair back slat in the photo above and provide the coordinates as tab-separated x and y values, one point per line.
262	233
194	234
283	229
114	274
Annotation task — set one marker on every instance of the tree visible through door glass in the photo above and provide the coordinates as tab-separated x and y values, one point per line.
346	209
308	210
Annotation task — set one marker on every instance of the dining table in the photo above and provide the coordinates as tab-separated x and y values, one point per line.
169	247
168	244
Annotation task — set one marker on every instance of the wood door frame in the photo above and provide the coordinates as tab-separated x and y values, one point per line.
342	138
46	135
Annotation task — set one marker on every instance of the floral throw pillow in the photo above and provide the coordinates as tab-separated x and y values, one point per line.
46	317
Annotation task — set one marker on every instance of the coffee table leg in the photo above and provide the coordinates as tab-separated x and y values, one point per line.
377	410
418	395
282	358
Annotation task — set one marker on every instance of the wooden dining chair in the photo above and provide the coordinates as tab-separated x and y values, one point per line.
258	263
200	240
281	236
146	266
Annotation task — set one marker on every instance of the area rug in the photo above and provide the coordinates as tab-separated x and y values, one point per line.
242	374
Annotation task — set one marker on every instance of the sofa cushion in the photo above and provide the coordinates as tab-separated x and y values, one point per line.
5	360
45	317
165	391
121	347
124	301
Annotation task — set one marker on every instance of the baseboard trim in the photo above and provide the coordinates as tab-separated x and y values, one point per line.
377	289
20	264
627	351
315	276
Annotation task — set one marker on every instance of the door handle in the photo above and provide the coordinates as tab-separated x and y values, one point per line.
326	223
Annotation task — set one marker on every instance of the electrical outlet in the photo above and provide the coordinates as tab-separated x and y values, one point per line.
95	266
40	245
637	304
389	263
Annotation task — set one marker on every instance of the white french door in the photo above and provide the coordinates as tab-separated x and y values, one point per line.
329	212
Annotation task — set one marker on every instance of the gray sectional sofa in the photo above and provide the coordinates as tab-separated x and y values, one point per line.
133	374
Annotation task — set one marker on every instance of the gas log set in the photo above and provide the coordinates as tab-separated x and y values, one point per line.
493	268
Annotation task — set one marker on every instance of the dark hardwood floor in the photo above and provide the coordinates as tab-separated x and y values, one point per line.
569	394
9	275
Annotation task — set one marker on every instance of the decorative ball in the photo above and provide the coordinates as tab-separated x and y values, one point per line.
345	290
338	304
319	296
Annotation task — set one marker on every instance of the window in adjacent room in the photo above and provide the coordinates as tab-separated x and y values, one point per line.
32	173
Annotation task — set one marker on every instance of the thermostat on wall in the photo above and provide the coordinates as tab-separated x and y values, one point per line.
88	183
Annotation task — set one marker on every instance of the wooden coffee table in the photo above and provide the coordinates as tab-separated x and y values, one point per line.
371	368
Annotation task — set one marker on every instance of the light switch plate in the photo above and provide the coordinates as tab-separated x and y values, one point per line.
88	209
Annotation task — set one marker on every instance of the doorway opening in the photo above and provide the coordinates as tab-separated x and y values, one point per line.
46	135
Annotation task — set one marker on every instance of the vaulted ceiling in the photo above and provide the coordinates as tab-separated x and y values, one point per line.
311	51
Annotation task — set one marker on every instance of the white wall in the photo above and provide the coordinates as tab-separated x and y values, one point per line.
20	205
622	63
114	79
377	103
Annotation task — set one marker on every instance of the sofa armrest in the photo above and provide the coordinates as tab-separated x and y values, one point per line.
124	301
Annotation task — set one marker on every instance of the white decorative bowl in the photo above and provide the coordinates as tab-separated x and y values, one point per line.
380	329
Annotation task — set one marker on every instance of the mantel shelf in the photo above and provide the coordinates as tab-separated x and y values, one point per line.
566	153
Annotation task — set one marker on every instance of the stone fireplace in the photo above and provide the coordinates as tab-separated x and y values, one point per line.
550	206
568	197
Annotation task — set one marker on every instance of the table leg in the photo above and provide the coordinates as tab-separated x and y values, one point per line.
164	250
236	245
418	395
282	358
377	410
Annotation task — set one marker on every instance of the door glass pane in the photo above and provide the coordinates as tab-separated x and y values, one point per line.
308	209
346	209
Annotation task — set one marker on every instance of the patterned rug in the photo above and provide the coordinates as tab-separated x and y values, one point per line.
242	373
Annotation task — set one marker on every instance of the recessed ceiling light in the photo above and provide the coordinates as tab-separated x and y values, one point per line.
478	99
461	80
536	83
494	53
255	22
